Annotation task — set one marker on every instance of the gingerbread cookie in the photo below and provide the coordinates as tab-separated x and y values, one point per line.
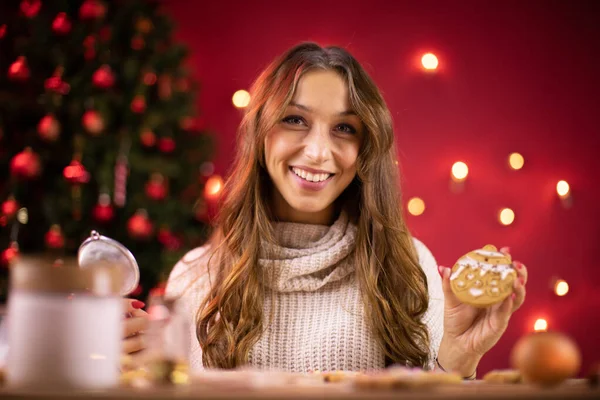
483	277
503	376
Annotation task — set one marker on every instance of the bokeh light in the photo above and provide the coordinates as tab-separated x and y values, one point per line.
562	188
541	325
429	61
459	171
241	99
506	216
516	161
213	187
561	287
416	206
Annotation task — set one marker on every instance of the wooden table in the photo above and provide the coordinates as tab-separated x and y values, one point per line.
574	389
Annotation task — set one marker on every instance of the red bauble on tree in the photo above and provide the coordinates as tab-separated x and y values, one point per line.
166	144
10	207
148	138
92	122
54	238
138	104
9	255
139	226
92	9
156	187
75	173
25	165
149	78
30	8
56	84
103	77
2	30
49	128
19	71
103	212
61	24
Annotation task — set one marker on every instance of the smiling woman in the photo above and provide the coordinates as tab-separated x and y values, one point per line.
311	265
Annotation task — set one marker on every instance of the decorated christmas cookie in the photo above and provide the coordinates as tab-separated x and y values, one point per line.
483	277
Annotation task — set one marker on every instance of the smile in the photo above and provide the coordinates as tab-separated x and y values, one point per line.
309	181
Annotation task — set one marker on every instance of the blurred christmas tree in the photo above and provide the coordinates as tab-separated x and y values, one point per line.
98	131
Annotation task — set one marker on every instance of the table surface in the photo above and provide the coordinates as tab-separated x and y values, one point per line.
573	389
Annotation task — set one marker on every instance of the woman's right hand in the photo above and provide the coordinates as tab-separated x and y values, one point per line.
136	321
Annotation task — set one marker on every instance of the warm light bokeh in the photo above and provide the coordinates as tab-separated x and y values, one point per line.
516	161
241	99
429	61
562	188
561	287
541	325
460	171
416	206
507	216
213	187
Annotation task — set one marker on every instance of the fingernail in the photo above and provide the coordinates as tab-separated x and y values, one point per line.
513	296
441	270
518	264
521	280
137	304
505	249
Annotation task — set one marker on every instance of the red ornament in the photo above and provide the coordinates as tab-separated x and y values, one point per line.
56	84
137	291
103	212
163	235
2	30
92	9
92	122
139	226
138	43
9	255
49	128
54	238
25	165
148	138
75	173
31	8
103	78
166	144
10	207
138	104
149	78
19	71
61	24
156	187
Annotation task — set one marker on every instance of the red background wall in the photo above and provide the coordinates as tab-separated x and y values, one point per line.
514	76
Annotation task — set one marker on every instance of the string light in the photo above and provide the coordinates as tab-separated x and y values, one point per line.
416	206
563	189
516	161
241	99
429	61
506	216
23	216
561	287
459	171
541	325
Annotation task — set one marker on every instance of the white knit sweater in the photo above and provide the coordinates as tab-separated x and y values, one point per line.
318	320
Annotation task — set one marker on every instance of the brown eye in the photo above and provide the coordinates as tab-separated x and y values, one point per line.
293	120
347	128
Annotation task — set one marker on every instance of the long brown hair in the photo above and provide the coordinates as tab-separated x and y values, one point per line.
393	285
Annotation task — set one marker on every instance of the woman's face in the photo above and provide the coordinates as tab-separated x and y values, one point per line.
311	153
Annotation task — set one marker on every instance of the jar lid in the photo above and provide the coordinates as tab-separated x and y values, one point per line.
98	249
45	274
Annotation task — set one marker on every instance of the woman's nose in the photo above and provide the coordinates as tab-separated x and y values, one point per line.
318	145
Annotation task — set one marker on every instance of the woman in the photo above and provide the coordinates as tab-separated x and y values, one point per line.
311	266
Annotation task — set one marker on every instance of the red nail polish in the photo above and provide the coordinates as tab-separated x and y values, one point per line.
513	296
522	280
137	304
505	249
518	265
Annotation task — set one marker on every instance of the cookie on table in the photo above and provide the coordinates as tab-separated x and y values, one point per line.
399	377
503	376
483	277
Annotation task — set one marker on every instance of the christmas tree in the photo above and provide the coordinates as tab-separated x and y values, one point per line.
99	130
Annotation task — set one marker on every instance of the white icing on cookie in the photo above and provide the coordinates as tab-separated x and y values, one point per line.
487	253
503	269
475	292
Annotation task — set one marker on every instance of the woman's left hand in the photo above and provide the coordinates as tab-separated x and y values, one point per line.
469	332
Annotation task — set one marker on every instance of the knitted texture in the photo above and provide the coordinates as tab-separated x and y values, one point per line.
314	317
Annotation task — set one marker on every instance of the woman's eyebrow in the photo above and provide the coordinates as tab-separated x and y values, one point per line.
308	109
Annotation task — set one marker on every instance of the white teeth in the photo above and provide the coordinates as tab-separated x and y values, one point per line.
310	176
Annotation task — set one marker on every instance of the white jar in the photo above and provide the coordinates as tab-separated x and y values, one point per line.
64	326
